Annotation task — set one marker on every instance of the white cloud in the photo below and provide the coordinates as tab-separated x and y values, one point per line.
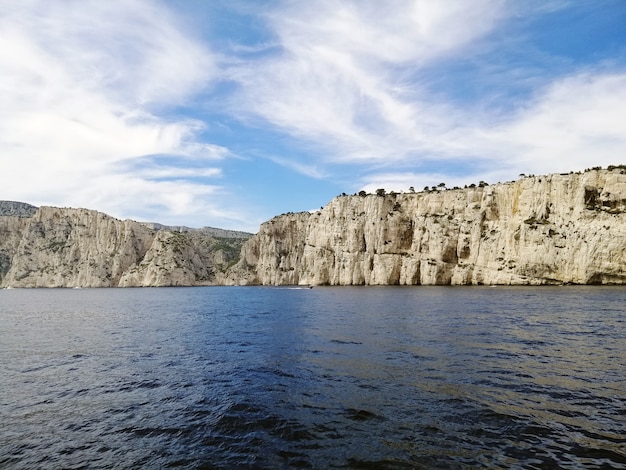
394	32
174	173
82	89
348	75
575	123
133	51
356	80
93	96
312	171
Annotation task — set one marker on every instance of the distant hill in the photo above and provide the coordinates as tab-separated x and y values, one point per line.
19	209
210	231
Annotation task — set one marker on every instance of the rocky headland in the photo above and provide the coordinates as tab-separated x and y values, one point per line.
63	247
554	229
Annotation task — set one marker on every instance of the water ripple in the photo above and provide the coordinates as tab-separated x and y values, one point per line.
325	378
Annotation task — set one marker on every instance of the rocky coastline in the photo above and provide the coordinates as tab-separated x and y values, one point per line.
538	230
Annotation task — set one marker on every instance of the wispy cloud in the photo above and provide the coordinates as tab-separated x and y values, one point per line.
133	109
84	87
575	122
571	124
360	80
312	170
348	77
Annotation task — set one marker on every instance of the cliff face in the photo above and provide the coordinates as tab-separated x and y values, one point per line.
538	230
56	247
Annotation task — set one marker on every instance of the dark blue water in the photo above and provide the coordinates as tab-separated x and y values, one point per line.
247	377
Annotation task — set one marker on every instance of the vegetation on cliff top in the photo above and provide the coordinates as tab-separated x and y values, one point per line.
481	184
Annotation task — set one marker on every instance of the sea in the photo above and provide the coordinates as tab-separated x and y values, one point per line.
329	377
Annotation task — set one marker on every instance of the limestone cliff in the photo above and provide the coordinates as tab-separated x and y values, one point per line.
56	247
568	228
560	228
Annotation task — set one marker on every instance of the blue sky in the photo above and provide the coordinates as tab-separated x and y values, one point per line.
225	113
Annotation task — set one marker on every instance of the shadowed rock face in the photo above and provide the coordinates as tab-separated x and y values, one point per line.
55	247
19	209
539	230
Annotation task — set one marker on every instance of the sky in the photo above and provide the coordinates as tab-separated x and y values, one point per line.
225	113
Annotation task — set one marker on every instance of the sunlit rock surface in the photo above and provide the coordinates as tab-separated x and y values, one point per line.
560	228
555	229
61	247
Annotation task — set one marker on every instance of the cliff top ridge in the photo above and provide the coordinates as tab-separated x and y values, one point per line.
209	231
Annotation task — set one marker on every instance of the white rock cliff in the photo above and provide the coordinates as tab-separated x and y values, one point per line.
57	247
560	228
555	229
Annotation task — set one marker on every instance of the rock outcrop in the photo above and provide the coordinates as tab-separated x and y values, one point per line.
58	247
20	209
560	228
555	229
